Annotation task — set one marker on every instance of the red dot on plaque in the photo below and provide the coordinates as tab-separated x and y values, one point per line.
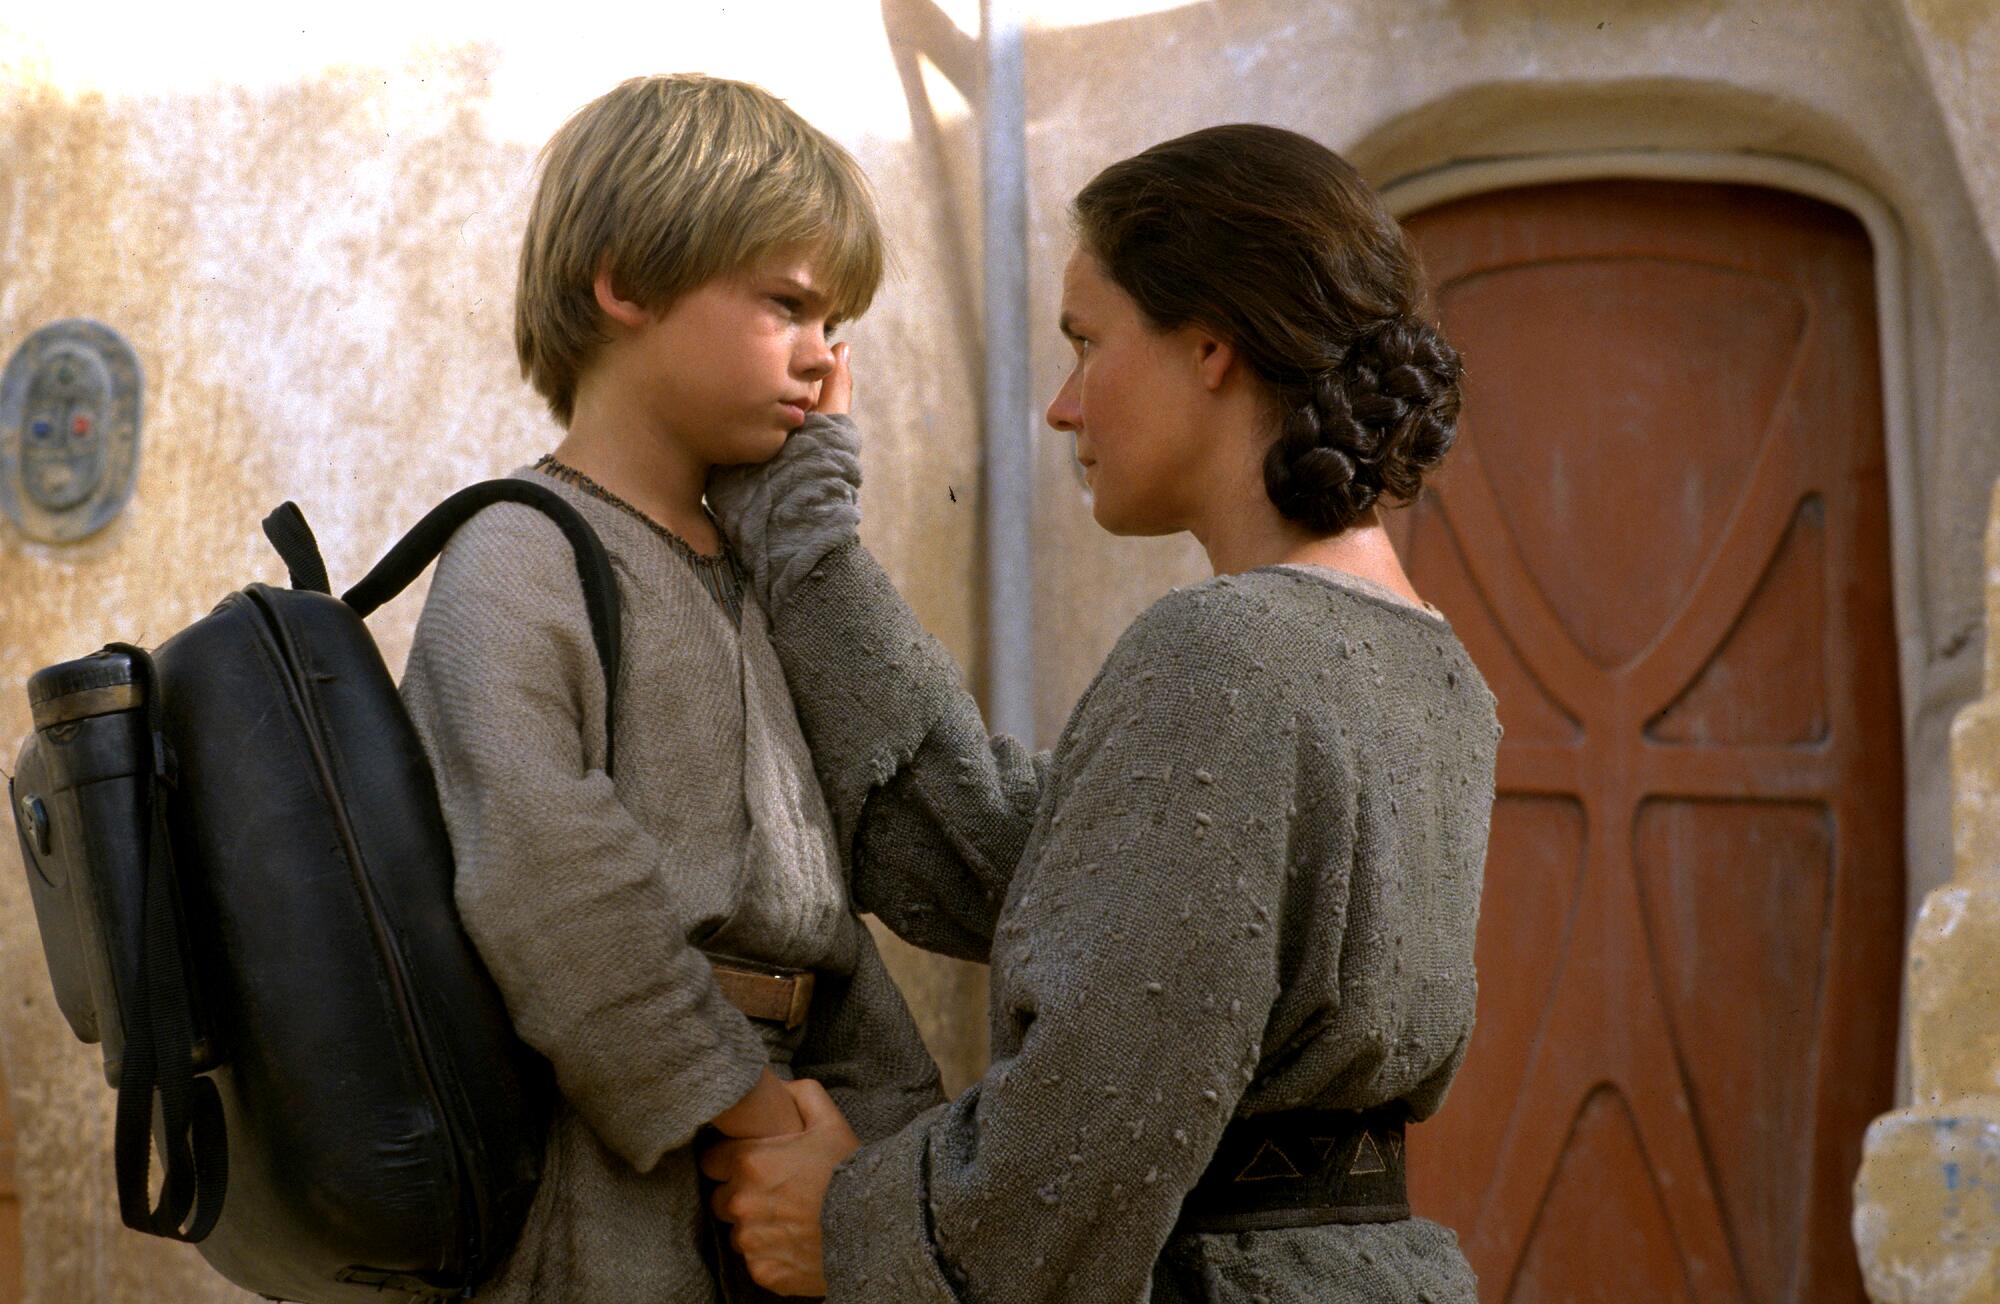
81	424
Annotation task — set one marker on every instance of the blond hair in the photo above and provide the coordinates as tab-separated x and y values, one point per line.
669	182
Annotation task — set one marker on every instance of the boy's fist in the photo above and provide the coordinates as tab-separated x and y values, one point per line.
836	392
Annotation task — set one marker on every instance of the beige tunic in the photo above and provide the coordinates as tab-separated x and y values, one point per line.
592	897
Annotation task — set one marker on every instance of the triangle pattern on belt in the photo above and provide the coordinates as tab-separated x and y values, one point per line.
1268	1164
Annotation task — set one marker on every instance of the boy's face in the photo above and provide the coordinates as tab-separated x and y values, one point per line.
733	366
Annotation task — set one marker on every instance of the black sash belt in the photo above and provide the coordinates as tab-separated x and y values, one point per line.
1303	1168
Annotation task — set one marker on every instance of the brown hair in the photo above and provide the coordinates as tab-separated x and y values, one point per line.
1275	243
670	182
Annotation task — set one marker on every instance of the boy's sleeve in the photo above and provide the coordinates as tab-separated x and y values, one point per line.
559	887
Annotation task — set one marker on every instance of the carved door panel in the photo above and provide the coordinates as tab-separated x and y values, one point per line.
1664	538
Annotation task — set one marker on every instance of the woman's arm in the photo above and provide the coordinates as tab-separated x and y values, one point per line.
862	1045
558	886
932	812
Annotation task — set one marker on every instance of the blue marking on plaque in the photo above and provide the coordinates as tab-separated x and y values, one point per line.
70	407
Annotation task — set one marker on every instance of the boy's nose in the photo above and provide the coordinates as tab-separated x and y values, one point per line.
816	358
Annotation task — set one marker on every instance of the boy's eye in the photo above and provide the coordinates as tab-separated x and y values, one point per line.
788	303
833	325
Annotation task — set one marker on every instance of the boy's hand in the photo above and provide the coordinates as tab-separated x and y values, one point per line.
772	1190
836	392
768	1110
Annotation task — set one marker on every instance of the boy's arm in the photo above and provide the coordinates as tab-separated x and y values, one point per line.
933	812
559	887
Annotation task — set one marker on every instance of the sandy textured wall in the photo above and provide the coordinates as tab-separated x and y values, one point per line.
1899	97
317	277
1927	1199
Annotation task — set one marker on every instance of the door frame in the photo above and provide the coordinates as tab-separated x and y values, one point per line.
1430	187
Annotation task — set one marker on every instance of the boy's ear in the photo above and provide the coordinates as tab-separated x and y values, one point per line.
626	312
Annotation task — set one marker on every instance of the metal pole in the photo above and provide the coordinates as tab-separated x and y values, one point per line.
1008	454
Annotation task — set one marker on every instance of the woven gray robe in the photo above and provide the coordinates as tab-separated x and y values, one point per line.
1245	880
588	895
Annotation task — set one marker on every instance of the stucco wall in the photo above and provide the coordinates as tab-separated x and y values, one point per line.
317	276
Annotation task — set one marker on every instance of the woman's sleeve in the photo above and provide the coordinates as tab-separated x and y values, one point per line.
931	810
559	887
934	812
862	1045
1139	965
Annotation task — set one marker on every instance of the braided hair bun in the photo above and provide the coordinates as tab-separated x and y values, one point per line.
1275	243
1375	424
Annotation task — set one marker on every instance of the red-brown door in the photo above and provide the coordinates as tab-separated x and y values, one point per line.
1664	538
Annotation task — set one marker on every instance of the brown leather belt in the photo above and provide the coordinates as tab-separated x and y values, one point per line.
768	992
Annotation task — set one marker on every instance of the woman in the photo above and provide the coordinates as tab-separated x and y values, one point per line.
1230	917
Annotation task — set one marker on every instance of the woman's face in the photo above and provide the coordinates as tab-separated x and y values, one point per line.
1134	401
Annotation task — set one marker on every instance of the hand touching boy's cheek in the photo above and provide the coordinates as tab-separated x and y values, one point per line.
772	1190
836	392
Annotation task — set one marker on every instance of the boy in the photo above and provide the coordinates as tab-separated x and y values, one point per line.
668	932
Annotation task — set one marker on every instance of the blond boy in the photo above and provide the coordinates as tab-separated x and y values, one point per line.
672	932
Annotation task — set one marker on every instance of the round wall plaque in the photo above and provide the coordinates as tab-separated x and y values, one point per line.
69	430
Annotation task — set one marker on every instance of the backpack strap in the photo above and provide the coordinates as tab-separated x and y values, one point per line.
158	1058
287	530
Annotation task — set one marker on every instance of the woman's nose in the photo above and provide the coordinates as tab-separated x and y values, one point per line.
1064	413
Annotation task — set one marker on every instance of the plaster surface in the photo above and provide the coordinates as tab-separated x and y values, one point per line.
1927	1207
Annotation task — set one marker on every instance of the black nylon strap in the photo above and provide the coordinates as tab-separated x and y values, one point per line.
158	1058
288	532
420	547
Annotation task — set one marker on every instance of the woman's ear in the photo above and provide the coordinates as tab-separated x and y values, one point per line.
626	312
1215	360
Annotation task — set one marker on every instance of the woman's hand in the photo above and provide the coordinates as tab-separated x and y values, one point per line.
836	392
772	1189
783	516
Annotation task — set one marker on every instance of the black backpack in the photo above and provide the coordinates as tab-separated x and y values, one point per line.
244	888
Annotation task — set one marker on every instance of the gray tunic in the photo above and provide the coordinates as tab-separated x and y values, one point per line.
1245	880
592	897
